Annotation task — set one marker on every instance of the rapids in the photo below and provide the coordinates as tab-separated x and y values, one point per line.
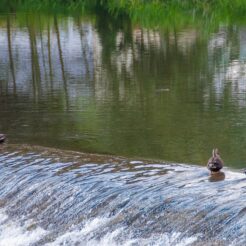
53	197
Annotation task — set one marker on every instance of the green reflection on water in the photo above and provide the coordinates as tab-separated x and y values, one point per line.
105	85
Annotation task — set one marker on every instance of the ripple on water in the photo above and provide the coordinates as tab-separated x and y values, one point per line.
49	197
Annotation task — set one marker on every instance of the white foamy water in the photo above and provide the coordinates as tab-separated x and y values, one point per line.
117	237
12	233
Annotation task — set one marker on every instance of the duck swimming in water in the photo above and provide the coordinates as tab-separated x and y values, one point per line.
2	138
215	163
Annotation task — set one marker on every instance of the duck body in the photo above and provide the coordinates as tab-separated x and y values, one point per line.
215	163
2	138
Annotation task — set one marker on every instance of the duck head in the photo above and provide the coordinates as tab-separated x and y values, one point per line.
215	163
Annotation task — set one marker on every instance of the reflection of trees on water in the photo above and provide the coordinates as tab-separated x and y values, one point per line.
128	57
61	59
11	61
227	49
156	87
49	55
50	52
35	67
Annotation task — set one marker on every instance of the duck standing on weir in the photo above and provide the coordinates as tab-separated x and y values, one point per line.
215	163
2	138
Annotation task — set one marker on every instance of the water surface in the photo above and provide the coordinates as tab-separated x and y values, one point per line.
103	85
52	197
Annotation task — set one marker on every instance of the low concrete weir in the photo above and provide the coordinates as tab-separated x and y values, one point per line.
53	197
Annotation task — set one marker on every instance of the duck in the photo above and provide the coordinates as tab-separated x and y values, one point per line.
215	163
2	138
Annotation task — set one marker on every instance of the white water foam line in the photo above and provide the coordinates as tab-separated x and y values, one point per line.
13	233
85	237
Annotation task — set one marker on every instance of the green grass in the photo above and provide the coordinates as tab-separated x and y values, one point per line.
152	13
43	5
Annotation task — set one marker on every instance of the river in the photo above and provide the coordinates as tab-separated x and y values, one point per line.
90	89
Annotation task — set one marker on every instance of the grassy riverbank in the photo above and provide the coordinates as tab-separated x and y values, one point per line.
144	12
130	6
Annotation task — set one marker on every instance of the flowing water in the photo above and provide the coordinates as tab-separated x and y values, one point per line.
97	84
70	198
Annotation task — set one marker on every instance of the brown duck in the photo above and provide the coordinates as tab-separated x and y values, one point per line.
215	163
2	138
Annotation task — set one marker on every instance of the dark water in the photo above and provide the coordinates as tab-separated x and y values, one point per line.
50	197
101	85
